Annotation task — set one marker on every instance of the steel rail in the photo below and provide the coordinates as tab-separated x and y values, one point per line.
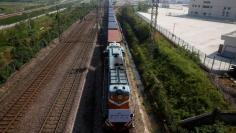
69	86
18	107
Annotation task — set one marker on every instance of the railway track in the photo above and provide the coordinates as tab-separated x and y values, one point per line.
17	108
57	115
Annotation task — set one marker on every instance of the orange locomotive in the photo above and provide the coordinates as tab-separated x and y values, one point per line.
119	114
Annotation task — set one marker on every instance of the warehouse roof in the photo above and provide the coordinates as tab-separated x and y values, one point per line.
231	34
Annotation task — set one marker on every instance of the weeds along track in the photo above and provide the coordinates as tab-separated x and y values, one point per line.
57	115
12	114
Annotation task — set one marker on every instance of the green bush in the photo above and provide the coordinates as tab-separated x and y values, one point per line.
218	127
26	39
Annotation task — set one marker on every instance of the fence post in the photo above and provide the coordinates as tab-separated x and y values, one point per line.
220	64
213	63
225	65
230	64
204	59
178	40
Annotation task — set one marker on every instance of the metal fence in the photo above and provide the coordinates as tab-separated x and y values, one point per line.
212	63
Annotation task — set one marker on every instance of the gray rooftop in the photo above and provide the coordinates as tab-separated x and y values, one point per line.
231	34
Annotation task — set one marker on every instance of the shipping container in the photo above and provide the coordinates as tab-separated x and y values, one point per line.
110	10
110	5
112	25
114	36
110	14
112	19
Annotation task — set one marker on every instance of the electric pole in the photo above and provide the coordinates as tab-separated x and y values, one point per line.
97	13
154	13
58	24
153	24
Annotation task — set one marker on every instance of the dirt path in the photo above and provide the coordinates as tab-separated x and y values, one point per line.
89	117
144	122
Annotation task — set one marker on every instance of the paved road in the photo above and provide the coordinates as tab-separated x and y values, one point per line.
4	16
12	25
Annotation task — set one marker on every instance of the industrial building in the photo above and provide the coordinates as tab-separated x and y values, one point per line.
229	47
225	9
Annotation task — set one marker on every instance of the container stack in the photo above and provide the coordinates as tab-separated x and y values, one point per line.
114	34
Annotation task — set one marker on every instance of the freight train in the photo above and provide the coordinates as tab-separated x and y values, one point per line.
119	115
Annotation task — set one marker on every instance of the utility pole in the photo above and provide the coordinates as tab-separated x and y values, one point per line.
154	13
153	22
58	24
97	15
30	31
29	23
174	28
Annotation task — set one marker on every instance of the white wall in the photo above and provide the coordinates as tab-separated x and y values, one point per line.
214	8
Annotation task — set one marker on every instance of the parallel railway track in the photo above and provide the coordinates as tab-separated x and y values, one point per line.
56	117
16	109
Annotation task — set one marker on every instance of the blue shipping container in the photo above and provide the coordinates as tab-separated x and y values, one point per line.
111	19
110	10
110	5
112	25
111	15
